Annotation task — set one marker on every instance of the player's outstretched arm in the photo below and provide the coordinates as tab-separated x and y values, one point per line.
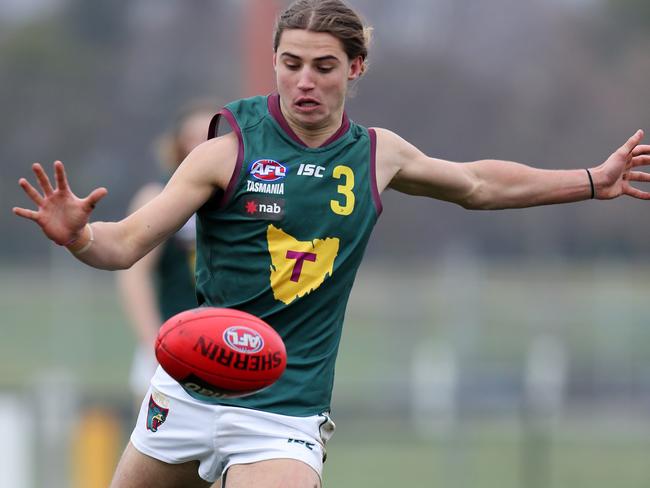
494	184
64	218
117	245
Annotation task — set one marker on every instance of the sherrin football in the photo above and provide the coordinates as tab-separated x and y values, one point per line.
220	352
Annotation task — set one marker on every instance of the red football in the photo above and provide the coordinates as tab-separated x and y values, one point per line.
220	352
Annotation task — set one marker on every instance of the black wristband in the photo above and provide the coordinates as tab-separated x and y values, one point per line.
591	183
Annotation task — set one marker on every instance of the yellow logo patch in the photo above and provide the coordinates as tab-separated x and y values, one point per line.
299	267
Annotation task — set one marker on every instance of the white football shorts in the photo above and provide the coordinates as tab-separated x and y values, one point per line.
175	428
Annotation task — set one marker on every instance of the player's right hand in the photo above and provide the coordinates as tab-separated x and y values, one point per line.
61	214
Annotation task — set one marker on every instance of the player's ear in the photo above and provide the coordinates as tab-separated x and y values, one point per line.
275	61
356	68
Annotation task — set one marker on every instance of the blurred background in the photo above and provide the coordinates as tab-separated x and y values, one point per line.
492	349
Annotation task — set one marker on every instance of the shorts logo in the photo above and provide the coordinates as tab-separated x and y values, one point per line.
264	208
243	339
308	445
267	170
157	414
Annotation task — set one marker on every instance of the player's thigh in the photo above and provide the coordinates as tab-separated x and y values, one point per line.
274	473
137	470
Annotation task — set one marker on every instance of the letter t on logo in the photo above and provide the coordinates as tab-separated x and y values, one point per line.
300	258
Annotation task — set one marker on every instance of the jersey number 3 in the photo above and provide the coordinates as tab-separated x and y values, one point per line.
347	206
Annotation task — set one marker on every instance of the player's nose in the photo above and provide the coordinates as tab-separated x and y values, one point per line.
306	79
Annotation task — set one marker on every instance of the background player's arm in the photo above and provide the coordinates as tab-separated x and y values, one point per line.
118	245
494	184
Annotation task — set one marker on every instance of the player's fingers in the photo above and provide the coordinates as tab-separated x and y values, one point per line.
95	196
641	149
637	176
632	142
25	213
61	178
636	193
627	148
31	191
42	178
643	160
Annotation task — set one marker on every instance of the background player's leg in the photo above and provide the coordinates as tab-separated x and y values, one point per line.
137	470
274	473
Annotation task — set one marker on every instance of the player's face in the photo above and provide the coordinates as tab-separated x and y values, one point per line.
312	74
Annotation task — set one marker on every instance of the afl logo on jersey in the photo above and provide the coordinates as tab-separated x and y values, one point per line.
243	339
267	170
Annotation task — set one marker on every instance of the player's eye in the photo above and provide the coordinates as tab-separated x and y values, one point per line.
324	69
292	66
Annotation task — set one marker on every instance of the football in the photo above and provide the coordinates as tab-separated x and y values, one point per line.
220	352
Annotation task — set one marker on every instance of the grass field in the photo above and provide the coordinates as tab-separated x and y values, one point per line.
490	453
63	321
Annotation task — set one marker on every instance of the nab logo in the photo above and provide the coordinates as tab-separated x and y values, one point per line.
267	170
264	208
244	340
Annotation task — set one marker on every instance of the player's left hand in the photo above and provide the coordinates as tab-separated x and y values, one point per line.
612	178
60	213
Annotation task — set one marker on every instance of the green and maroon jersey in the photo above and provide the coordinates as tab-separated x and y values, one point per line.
285	240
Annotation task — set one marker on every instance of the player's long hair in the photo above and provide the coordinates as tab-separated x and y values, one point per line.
332	17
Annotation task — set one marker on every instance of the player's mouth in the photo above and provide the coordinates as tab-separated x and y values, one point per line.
306	104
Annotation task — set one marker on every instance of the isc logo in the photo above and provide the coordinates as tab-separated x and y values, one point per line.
267	170
242	339
311	170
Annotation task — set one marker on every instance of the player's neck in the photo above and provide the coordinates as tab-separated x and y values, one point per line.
315	135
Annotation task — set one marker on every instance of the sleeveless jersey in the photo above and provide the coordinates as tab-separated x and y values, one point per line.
284	243
174	272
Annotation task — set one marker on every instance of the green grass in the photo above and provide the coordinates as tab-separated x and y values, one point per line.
64	321
487	453
70	323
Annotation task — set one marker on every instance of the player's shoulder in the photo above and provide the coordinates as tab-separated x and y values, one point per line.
385	135
389	142
393	153
215	159
223	144
220	150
